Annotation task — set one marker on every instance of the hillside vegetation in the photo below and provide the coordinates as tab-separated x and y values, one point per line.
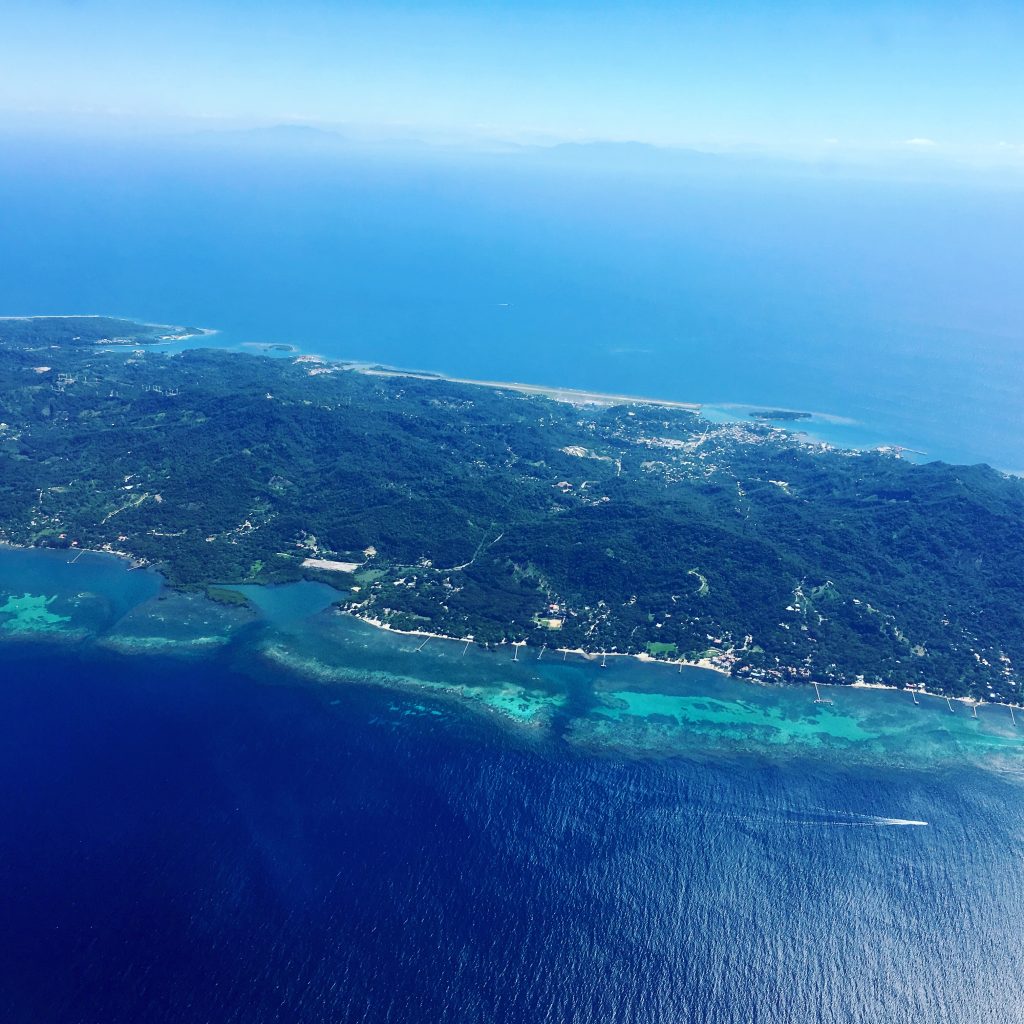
484	513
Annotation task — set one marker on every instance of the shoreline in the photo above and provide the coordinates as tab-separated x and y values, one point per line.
574	396
922	691
198	332
588	656
570	396
641	656
134	563
702	663
566	395
802	431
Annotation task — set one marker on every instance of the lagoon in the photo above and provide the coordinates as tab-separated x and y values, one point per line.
292	632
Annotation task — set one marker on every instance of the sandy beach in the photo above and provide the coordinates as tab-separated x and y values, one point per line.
571	396
702	663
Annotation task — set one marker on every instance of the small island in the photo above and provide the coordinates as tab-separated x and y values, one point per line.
779	415
269	346
509	514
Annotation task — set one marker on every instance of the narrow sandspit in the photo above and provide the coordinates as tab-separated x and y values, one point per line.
571	396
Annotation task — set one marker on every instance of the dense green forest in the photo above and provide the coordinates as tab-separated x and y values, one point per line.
479	512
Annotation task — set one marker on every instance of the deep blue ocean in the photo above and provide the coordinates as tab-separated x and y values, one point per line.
895	309
185	842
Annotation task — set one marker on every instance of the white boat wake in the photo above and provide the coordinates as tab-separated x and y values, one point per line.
849	819
856	818
899	821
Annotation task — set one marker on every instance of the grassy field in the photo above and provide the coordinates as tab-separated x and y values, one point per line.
655	648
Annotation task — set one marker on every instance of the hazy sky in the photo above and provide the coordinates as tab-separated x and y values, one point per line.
940	76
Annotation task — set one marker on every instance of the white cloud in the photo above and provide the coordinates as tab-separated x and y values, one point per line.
920	142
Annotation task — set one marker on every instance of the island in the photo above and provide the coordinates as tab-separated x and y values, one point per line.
779	415
513	514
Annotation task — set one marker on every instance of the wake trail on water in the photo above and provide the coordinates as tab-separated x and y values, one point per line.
856	818
849	819
878	822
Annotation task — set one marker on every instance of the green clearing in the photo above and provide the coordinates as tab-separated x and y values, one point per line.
369	575
703	590
654	647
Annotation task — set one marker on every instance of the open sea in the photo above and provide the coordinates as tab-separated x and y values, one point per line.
894	310
211	815
195	829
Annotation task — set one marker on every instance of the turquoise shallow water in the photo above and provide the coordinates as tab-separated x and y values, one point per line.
291	632
838	431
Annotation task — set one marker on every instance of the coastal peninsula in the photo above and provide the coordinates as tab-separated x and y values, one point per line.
603	524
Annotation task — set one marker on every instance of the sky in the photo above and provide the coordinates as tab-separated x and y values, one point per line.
935	79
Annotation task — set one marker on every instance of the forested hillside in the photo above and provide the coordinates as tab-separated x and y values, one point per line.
477	512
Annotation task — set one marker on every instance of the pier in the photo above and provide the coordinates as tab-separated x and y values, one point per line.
818	697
